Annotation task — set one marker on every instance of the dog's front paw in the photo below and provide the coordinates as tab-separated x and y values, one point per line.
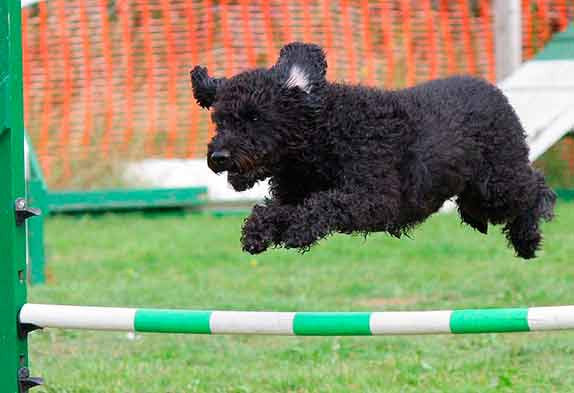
255	247
257	234
301	237
255	241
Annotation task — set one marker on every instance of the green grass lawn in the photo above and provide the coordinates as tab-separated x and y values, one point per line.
195	262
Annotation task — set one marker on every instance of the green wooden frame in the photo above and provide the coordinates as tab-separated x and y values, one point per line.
13	347
130	199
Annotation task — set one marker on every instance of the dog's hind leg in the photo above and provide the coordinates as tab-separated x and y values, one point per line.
517	196
470	212
523	232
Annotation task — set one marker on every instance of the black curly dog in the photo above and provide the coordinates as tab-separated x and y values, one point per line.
354	159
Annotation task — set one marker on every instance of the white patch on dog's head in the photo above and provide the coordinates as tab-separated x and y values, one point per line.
298	78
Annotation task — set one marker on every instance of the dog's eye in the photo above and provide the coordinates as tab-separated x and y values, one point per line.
248	113
250	116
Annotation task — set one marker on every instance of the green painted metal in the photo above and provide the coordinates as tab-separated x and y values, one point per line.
489	321
332	324
110	200
561	47
172	321
4	83
13	349
36	250
37	197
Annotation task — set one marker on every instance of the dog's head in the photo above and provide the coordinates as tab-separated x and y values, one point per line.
263	114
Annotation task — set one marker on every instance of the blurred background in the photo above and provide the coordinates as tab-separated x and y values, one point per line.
108	101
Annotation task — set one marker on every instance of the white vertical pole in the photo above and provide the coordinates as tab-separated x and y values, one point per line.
507	36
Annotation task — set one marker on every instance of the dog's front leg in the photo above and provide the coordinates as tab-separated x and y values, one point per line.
348	210
264	226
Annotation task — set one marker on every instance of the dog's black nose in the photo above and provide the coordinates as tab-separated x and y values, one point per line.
220	156
219	160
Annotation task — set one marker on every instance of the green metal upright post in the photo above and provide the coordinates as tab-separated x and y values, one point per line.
13	348
36	253
38	197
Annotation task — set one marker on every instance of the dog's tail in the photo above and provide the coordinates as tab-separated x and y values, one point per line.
524	232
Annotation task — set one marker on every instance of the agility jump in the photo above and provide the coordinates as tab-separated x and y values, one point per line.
299	323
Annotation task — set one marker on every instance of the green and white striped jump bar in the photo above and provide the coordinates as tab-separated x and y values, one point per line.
300	323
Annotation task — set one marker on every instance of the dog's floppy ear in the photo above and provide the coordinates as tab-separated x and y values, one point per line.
301	65
204	87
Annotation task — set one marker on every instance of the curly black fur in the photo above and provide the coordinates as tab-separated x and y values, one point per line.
354	159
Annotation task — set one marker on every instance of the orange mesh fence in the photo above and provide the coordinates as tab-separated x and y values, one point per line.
107	82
